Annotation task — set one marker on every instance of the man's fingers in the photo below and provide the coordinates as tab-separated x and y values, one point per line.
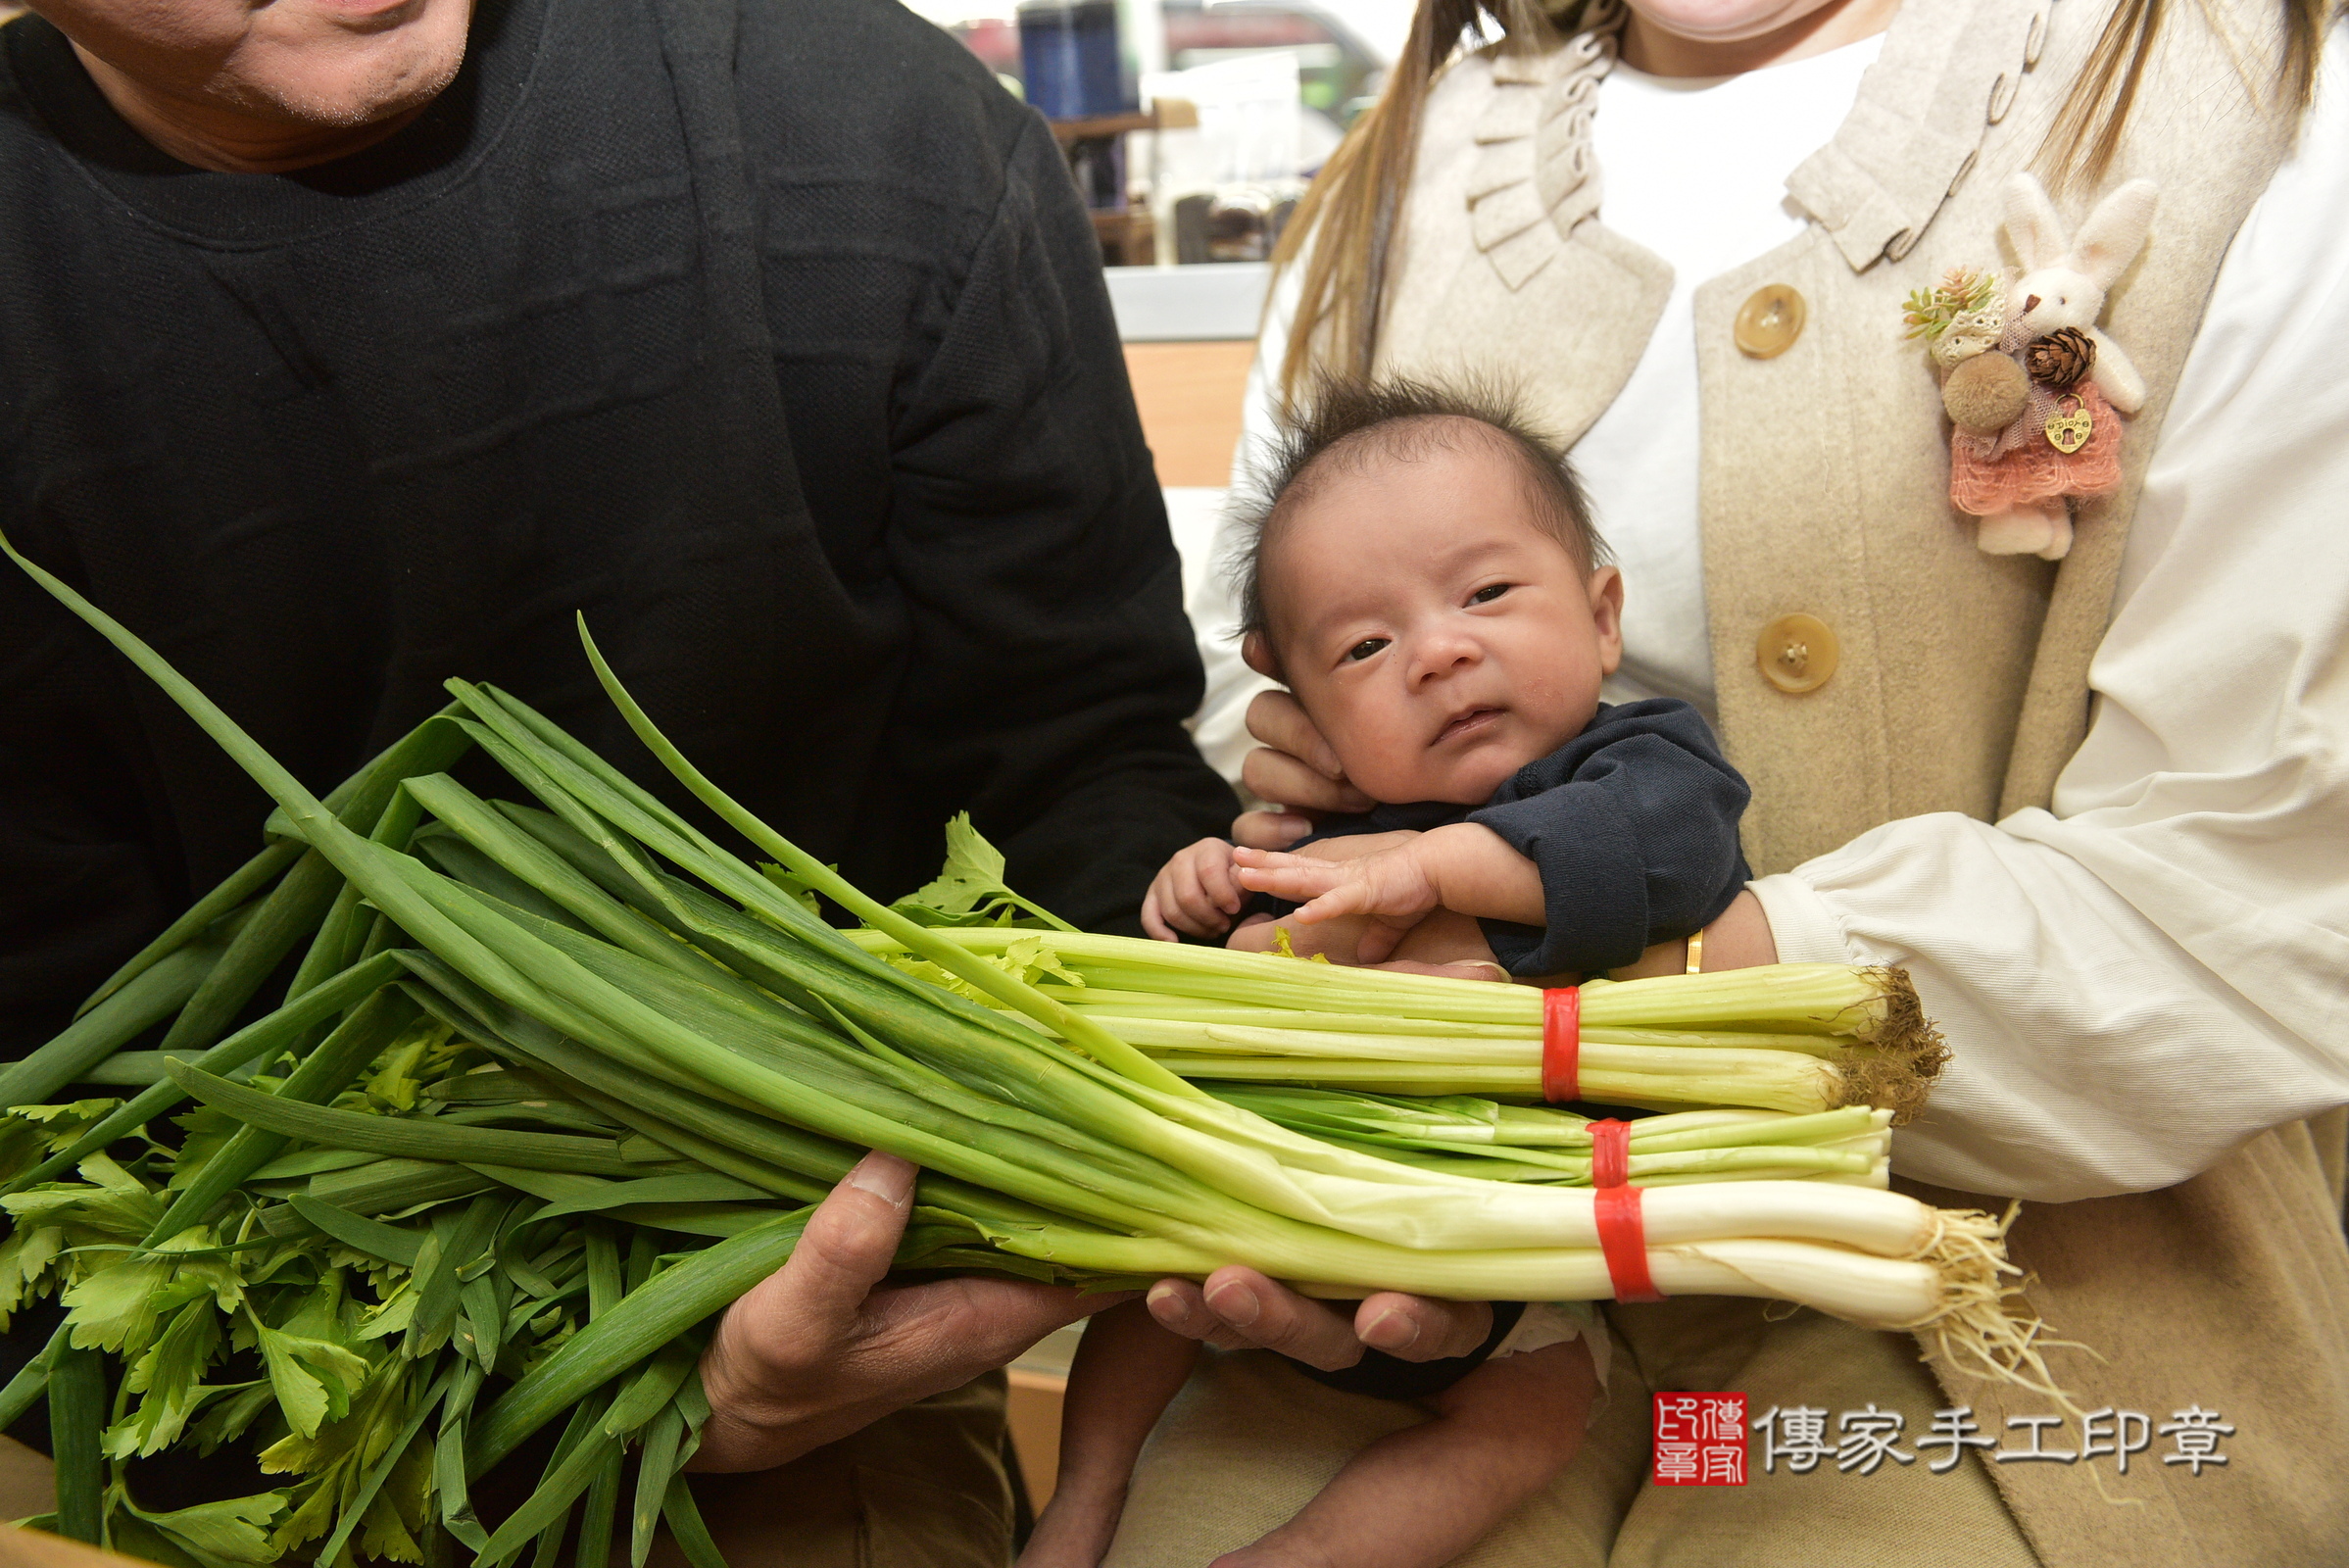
1413	1328
1239	1308
1278	776
1254	935
946	1332
1464	969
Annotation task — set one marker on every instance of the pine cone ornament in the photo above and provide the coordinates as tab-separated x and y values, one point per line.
2060	358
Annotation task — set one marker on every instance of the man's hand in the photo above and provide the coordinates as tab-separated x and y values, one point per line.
1194	893
820	1348
1240	1309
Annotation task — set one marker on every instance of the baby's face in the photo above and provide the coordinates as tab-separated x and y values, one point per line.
1438	637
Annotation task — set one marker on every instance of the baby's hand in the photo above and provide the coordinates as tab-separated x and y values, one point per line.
1393	887
1194	893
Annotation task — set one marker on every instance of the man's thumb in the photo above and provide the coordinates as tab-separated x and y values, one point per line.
849	1242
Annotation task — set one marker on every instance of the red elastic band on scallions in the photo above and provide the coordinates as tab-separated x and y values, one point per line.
1622	1232
1561	1044
1610	1152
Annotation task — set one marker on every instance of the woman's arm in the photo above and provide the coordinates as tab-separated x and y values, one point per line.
1220	728
2142	978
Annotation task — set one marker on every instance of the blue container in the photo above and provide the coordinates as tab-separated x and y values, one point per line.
1069	57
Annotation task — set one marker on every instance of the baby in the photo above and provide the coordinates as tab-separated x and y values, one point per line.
1425	580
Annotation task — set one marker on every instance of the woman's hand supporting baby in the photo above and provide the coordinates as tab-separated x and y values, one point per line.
1464	867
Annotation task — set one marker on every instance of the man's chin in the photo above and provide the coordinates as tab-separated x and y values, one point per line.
349	99
340	67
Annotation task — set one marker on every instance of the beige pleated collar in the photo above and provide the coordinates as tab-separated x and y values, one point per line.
1948	70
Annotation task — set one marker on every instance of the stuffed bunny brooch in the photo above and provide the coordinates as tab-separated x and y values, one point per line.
2034	390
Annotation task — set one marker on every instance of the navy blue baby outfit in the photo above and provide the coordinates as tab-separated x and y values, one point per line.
1634	824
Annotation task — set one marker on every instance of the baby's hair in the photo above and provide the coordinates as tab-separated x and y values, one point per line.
1349	425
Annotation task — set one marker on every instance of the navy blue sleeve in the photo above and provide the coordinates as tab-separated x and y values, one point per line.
1634	825
1387	1377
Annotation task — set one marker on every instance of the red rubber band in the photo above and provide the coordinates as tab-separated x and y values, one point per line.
1610	1152
1622	1232
1623	1238
1561	1044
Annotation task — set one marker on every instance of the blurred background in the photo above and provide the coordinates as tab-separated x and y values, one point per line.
1191	125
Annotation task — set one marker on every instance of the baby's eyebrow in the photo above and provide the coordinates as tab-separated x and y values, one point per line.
1452	558
1466	552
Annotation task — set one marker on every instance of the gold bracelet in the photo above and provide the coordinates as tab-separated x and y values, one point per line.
1696	951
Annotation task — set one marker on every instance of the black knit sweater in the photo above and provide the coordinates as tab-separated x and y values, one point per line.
769	336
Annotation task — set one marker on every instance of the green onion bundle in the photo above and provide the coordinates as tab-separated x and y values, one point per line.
1799	1038
554	1082
1536	1143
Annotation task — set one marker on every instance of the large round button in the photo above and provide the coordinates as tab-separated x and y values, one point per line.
1769	322
1797	652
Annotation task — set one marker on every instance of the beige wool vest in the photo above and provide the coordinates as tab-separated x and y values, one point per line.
1962	684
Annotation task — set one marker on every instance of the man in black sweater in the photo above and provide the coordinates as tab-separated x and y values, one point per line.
769	335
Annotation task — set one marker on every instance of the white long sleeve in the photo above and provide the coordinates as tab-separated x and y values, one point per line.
2158	969
1220	728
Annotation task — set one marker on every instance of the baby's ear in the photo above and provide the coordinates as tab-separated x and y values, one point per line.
1606	616
1255	651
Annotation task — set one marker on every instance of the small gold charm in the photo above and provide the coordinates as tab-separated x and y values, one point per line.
2068	429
